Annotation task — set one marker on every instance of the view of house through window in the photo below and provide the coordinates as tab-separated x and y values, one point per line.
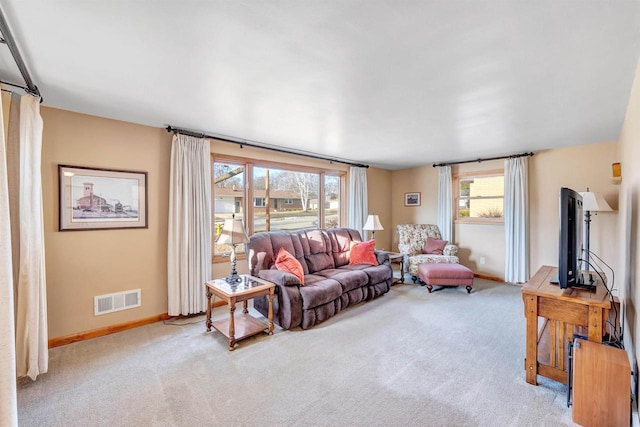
228	199
480	198
289	200
276	199
331	201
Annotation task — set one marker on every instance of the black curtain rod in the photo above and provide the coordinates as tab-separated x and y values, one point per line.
242	143
513	156
7	38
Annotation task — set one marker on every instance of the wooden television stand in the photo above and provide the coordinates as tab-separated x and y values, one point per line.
566	312
601	374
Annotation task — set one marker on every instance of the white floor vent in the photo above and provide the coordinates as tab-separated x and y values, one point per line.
103	304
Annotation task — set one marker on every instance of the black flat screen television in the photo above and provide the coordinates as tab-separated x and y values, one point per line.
570	242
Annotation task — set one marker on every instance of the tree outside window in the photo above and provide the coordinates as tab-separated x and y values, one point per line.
279	198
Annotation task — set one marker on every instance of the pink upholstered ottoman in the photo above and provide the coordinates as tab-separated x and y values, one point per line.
445	275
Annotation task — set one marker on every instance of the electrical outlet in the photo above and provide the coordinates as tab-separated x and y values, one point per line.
482	260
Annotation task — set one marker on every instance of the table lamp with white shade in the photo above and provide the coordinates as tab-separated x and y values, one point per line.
233	233
373	224
591	202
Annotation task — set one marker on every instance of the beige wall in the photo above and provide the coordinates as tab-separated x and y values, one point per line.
628	277
82	264
575	167
423	180
379	197
477	241
474	240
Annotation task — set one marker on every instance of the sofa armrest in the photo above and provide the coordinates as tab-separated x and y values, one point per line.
287	304
382	257
450	250
278	277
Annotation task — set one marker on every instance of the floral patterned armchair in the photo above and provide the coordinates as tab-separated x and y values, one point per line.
411	241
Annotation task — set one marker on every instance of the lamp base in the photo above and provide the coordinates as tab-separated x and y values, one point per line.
233	279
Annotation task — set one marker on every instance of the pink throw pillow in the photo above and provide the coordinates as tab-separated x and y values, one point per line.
362	253
434	246
287	262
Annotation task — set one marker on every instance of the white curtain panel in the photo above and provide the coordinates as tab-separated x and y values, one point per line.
445	204
8	399
516	219
357	199
32	351
189	252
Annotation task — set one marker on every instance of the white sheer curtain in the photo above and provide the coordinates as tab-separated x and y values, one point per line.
516	219
8	399
445	204
189	252
32	351
357	199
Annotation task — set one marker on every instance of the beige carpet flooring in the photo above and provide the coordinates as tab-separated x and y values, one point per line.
409	358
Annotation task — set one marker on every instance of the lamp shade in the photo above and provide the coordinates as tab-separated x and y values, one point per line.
233	232
594	202
373	223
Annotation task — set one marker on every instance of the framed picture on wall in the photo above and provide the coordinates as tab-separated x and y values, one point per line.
412	199
100	199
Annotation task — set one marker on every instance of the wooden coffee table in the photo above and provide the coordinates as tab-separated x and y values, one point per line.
245	325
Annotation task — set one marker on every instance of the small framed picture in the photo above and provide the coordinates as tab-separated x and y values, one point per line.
412	199
99	199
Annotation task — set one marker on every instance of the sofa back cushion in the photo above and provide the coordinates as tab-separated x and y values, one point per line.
412	237
316	246
341	239
263	248
316	249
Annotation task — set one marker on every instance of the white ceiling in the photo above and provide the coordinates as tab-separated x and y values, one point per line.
392	83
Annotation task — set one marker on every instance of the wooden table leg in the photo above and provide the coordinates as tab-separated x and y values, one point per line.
531	362
245	310
208	323
402	270
232	326
270	318
595	324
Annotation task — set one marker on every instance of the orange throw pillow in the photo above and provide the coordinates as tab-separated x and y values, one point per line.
362	253
287	262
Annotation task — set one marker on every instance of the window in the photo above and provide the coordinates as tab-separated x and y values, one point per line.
228	199
279	197
274	186
331	201
479	197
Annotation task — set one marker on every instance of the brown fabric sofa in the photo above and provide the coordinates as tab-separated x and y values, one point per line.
330	283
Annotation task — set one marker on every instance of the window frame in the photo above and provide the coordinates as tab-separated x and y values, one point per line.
248	199
456	197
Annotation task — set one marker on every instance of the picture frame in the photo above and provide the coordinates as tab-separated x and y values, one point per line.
412	199
101	199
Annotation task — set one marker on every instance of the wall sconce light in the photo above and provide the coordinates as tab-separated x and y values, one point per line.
616	173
